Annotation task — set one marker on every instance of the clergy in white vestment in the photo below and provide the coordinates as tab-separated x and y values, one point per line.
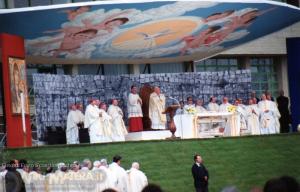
200	109
199	106
74	176
109	181
60	178
106	123
35	181
242	113
79	110
2	182
92	122
72	126
276	112
23	169
102	177
86	165
190	106
269	113
224	107
212	105
96	165
122	177
135	114
3	172
118	127
157	102
75	166
253	118
137	179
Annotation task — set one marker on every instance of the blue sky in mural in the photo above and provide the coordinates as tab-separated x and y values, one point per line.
145	30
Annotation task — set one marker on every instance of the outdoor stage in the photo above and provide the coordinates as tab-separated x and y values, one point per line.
151	32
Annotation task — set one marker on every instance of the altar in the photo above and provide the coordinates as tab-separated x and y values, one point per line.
205	125
201	125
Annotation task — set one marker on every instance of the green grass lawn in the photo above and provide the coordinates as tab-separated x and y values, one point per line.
244	161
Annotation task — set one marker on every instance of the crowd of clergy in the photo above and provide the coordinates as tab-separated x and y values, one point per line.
256	116
107	125
86	176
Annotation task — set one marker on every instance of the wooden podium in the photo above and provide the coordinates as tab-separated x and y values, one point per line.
171	111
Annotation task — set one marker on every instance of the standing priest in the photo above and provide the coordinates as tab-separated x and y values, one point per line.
135	113
269	116
157	104
92	121
72	126
118	127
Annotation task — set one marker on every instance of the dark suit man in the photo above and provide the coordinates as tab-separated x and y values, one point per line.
200	175
13	179
283	107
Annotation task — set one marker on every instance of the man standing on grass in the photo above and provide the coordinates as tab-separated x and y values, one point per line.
120	173
200	175
137	179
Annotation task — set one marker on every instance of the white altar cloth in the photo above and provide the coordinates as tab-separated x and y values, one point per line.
187	125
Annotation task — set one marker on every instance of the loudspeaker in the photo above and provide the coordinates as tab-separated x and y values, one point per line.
84	136
56	135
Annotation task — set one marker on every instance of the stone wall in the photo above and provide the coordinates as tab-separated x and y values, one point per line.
54	93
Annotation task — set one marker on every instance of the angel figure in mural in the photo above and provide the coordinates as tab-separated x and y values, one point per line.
72	14
217	18
192	42
215	35
74	36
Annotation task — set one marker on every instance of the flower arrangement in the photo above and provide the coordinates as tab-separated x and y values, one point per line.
191	110
231	109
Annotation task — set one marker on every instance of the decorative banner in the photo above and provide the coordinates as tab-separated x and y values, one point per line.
18	84
54	93
144	32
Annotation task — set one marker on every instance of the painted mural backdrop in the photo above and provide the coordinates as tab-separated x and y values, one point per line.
151	30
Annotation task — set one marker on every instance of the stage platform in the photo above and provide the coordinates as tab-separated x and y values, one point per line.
148	135
163	134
